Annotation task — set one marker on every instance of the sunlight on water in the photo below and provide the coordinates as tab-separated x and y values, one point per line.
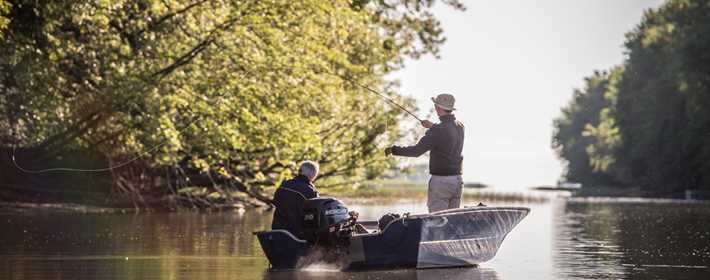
321	267
560	239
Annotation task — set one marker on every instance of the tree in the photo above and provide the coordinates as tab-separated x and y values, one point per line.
230	93
573	136
604	138
663	105
4	9
652	132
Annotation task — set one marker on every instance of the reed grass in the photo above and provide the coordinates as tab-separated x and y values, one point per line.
389	190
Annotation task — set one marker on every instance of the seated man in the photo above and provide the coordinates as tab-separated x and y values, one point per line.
290	197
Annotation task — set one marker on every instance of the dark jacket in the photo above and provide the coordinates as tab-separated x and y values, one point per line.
445	141
289	199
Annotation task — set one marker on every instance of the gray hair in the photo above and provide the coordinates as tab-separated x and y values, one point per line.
309	169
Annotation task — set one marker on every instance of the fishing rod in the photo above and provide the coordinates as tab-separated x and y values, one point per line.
386	98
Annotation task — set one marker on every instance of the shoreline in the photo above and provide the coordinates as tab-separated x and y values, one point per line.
78	208
375	192
362	195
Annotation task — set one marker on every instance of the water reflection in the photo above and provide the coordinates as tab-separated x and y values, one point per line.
471	273
152	246
632	239
586	242
562	239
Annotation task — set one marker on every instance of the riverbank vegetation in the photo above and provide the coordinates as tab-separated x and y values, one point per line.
643	125
378	191
194	103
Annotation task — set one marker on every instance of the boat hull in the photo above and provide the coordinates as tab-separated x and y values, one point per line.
463	237
449	238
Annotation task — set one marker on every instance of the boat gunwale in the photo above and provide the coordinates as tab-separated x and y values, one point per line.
446	212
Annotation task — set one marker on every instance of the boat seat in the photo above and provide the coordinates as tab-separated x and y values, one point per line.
377	231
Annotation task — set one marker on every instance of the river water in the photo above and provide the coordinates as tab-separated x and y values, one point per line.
560	239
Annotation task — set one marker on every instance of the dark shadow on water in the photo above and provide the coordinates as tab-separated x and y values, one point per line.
632	240
461	273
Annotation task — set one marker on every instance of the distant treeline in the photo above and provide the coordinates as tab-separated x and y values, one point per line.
220	99
646	123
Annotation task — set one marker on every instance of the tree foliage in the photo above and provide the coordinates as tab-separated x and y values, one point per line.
584	119
4	9
653	129
235	92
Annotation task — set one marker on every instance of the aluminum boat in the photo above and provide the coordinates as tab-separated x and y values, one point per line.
450	238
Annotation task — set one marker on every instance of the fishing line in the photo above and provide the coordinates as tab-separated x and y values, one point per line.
139	156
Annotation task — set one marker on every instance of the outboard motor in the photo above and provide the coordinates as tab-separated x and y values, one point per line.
326	222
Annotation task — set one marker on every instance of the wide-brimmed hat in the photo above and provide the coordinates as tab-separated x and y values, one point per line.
445	101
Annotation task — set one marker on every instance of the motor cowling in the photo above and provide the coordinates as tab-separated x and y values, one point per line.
325	221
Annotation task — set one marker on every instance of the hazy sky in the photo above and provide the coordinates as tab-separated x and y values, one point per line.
512	65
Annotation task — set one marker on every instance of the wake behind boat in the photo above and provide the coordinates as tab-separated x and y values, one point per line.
455	237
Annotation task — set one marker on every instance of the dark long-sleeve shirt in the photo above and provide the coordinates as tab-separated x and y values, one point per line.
445	143
289	199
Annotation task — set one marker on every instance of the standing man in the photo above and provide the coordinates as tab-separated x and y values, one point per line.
445	141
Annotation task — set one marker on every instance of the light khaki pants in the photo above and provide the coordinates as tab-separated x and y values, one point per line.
444	192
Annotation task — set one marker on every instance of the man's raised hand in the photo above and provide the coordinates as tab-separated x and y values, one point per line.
427	124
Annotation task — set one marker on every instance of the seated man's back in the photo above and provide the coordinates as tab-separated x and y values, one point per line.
290	197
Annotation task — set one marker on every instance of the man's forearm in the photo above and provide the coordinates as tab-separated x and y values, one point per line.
424	145
410	151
